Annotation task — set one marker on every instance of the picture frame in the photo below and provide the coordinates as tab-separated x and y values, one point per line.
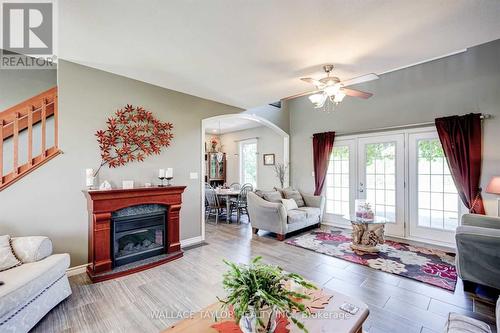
269	159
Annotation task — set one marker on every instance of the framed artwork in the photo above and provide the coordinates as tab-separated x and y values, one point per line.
268	159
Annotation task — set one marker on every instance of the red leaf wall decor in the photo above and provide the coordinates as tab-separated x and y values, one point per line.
132	134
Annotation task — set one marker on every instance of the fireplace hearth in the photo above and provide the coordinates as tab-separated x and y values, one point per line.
131	230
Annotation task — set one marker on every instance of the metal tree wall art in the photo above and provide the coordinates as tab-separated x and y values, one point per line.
132	135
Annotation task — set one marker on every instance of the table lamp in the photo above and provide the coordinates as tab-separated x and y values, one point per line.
494	188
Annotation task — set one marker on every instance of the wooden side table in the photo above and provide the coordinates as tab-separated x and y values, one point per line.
367	234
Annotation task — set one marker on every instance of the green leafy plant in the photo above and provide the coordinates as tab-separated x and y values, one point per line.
256	286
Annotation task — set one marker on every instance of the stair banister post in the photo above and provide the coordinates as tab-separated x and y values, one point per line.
30	135
44	128
15	144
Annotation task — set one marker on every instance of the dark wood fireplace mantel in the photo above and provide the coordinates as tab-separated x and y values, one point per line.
102	203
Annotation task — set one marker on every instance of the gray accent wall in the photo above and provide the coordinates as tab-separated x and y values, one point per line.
50	201
19	85
463	83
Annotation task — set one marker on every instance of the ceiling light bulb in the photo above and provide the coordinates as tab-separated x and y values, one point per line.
339	97
318	100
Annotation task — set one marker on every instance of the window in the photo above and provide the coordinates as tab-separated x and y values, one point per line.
248	162
337	182
381	178
438	204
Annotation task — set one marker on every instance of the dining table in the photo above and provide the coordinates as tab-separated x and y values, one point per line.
227	194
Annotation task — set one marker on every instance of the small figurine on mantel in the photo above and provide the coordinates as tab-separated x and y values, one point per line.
105	185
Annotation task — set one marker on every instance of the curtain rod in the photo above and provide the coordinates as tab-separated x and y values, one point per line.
381	129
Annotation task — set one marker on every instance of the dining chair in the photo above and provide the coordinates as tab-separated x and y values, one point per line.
235	186
212	206
240	204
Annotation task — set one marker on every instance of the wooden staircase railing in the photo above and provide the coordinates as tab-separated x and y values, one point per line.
22	117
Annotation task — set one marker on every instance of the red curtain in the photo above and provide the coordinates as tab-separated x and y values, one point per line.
461	138
322	148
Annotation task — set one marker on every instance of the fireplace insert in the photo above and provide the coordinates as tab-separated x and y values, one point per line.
138	236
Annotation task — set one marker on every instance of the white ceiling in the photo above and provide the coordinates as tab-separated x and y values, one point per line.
249	53
226	125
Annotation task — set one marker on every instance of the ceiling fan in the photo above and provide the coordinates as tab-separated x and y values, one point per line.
330	91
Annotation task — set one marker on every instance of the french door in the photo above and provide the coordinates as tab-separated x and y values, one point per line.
378	178
381	178
404	177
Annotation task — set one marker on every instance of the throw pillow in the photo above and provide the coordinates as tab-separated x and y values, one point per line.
289	204
280	190
295	195
272	196
7	258
32	248
259	193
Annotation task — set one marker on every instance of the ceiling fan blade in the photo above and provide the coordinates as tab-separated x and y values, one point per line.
360	79
311	81
356	93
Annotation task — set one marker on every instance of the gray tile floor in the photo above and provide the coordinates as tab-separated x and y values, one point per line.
140	302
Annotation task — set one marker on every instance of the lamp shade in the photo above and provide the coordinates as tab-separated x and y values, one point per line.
494	185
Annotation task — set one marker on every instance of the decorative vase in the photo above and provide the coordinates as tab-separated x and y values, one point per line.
249	323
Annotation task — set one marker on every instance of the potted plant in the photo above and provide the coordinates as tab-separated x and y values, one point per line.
258	293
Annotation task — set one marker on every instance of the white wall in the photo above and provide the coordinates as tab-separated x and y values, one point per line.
268	142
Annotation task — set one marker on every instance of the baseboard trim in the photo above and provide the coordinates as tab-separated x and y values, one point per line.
83	268
191	241
76	270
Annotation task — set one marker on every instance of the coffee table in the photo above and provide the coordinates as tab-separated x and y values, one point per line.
367	233
328	320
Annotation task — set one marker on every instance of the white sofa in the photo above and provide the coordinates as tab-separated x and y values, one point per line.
273	216
32	289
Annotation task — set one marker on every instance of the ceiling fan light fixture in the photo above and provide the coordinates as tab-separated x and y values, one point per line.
332	90
318	99
339	96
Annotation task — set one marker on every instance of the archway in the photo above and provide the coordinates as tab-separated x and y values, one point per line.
262	121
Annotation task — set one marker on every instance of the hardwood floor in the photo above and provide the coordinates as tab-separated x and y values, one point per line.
144	302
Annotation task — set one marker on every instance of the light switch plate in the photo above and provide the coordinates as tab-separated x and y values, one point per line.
193	175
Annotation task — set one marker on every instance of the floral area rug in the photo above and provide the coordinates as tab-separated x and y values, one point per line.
426	265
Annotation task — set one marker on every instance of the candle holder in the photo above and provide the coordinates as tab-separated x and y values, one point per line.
168	180
161	179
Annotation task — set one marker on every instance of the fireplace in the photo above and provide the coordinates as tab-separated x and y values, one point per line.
138	233
131	230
